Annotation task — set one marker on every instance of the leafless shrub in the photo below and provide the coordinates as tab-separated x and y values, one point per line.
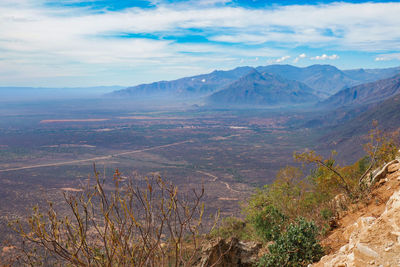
154	225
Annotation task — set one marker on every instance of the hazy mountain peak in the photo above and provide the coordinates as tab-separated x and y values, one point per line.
258	88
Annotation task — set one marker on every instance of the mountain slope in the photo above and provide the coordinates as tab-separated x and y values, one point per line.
386	113
263	89
190	86
325	78
366	93
349	134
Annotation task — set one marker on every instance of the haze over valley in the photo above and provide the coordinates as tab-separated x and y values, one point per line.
230	130
213	94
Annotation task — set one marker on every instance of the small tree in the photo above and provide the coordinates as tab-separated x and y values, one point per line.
333	177
287	191
126	226
381	148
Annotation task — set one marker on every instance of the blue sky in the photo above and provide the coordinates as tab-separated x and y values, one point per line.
89	43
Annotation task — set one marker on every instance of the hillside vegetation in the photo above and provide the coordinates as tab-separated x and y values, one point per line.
153	224
296	210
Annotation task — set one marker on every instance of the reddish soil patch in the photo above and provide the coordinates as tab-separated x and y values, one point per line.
373	206
150	118
70	189
73	120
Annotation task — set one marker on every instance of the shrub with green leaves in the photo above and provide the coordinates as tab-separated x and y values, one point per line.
297	246
269	223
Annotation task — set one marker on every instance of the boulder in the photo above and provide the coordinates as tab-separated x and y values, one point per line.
229	253
393	167
378	174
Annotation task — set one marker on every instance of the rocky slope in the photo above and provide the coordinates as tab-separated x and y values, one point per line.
369	233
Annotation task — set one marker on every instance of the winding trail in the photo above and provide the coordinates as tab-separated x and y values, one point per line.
95	158
215	178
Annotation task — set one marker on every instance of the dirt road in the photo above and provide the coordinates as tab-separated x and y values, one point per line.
215	178
93	159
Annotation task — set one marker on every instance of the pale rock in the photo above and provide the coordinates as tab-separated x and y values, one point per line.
393	168
389	244
344	248
370	240
366	251
379	173
350	257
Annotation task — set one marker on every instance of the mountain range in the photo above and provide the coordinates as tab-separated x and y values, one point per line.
274	85
327	78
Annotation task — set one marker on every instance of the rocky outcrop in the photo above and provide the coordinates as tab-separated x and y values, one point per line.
229	253
372	241
379	174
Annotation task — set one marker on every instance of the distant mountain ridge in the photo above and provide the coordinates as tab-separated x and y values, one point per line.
324	80
366	93
327	78
199	85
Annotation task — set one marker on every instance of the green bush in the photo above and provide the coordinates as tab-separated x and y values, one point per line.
298	246
268	223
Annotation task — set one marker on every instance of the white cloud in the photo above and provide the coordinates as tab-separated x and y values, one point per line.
325	57
387	57
279	60
209	2
301	56
82	42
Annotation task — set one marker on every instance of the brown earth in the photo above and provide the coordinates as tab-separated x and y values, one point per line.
368	232
73	120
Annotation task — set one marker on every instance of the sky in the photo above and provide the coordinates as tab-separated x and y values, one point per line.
68	43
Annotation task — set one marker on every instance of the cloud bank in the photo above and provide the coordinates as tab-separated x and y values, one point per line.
132	45
325	57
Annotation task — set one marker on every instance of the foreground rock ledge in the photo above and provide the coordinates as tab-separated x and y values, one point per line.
372	241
